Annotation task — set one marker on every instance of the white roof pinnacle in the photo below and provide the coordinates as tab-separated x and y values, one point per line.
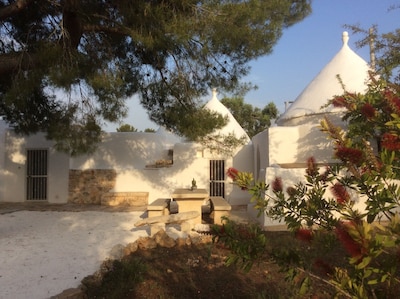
345	38
214	92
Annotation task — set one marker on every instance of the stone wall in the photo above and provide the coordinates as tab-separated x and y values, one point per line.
129	199
88	186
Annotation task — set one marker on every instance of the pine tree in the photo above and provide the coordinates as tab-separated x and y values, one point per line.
98	53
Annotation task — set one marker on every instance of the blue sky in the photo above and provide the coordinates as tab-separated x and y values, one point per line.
302	52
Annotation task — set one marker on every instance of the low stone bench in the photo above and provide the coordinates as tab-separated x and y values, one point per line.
158	222
219	208
159	207
125	198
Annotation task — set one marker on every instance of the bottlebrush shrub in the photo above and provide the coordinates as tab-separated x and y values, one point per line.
246	242
368	154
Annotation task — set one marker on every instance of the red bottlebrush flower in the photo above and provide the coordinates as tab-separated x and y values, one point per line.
341	194
277	185
393	100
344	101
339	102
305	235
312	169
390	142
352	247
291	191
368	111
387	93
396	104
352	155
232	173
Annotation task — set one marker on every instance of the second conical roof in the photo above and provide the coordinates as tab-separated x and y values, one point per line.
353	72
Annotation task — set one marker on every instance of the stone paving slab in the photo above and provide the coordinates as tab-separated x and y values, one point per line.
10	207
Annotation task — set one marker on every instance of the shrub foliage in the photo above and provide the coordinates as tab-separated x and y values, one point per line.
325	208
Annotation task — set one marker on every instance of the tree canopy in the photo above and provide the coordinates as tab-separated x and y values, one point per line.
67	66
126	128
252	119
386	49
129	128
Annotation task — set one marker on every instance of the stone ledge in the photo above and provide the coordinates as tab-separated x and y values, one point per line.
219	204
220	208
125	199
159	207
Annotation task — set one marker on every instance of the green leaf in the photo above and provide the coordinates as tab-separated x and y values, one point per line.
371	218
372	282
305	286
365	262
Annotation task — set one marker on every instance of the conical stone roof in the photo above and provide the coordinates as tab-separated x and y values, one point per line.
232	127
353	72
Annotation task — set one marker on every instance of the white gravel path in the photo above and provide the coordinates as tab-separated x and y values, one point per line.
44	253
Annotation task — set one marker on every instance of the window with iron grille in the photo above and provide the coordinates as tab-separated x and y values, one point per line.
217	178
36	174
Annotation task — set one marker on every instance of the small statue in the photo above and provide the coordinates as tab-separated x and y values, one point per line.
194	186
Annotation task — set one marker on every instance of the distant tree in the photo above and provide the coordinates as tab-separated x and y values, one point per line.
252	119
126	128
386	49
99	53
149	130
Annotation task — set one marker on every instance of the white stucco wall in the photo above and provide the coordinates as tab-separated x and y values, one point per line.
282	143
243	161
123	151
161	182
14	172
129	153
291	146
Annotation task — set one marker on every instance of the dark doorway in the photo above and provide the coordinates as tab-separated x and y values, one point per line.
217	178
36	174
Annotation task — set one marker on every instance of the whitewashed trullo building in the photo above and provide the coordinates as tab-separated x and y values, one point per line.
157	163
